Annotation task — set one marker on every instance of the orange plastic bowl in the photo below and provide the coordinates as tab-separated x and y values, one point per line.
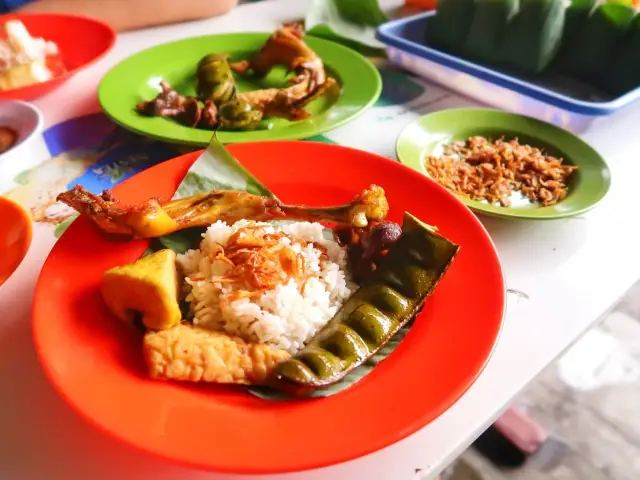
81	41
15	237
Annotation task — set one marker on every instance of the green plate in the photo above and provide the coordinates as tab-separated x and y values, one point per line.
136	78
588	185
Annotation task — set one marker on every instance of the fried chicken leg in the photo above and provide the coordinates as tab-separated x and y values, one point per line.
152	219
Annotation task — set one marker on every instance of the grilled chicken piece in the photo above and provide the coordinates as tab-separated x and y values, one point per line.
194	354
151	219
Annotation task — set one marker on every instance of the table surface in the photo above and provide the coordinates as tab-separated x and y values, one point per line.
568	272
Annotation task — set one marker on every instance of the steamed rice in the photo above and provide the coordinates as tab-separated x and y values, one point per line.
286	316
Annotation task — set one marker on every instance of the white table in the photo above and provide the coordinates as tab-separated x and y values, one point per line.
572	272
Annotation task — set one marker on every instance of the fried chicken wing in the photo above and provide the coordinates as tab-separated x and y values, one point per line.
151	219
285	47
191	353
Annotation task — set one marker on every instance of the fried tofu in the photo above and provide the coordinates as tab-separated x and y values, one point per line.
147	288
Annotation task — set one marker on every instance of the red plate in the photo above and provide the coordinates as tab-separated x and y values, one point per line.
81	41
96	364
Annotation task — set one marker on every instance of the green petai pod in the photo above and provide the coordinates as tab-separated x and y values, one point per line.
239	115
214	79
374	313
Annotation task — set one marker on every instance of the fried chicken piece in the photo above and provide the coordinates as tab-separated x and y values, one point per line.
261	98
288	102
170	104
209	117
194	354
151	219
145	220
285	47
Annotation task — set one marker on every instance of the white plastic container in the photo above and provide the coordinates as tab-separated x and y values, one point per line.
30	149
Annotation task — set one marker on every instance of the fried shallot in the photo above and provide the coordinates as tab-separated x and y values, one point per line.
484	170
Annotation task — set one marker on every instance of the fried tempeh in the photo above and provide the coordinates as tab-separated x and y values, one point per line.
195	354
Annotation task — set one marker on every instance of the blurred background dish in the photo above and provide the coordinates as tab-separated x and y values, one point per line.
20	138
137	79
15	237
531	147
38	52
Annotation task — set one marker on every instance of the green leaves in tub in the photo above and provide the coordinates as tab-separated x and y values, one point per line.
350	22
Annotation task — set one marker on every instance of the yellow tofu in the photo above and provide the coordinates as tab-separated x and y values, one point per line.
148	287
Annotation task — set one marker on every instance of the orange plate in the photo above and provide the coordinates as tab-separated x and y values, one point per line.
96	364
81	41
15	237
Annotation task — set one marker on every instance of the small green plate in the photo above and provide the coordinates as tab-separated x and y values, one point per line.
136	79
588	185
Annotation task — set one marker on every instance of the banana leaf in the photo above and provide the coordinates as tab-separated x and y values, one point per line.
350	22
598	42
623	74
218	169
62	227
532	39
576	17
448	29
490	19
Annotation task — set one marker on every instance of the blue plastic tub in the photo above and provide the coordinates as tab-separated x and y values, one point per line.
564	102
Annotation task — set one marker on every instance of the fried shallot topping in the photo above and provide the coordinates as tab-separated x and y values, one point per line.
260	261
485	170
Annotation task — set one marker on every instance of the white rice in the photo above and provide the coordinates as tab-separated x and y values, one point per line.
287	316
